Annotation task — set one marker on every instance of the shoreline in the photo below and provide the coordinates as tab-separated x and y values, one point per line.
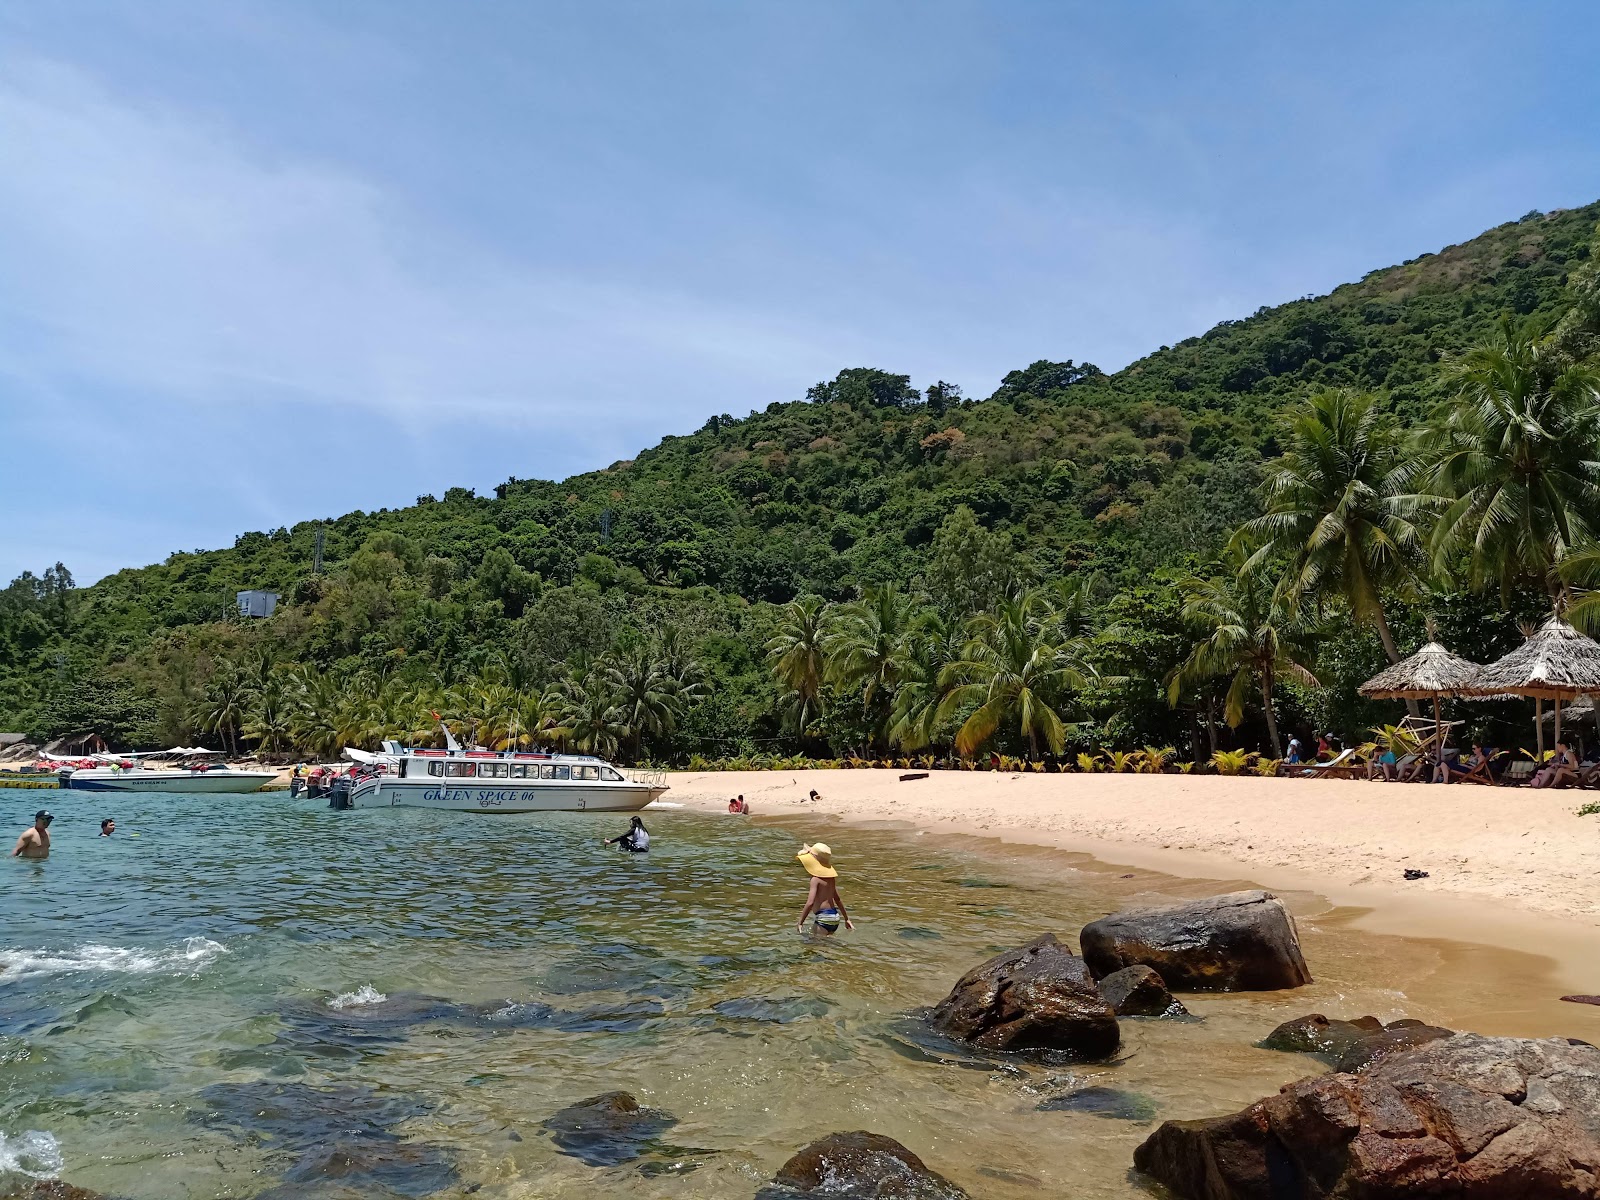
1508	869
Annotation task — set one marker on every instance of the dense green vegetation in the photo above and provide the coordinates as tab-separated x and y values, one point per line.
1201	550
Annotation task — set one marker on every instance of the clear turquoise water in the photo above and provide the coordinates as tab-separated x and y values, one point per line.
191	1008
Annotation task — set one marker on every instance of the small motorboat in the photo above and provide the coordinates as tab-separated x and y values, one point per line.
129	773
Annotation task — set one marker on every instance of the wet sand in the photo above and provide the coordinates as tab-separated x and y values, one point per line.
1508	920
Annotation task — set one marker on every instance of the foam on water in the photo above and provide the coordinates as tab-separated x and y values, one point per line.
190	955
363	995
34	1153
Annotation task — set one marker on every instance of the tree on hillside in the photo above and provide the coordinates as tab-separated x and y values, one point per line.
1515	461
866	642
970	567
865	387
1245	633
1336	510
931	647
647	697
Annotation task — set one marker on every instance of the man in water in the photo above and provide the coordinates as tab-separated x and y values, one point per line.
108	827
635	841
823	902
35	842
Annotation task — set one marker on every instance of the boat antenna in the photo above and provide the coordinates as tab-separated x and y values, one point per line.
450	742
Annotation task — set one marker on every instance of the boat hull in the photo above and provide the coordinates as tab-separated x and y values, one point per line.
167	781
545	796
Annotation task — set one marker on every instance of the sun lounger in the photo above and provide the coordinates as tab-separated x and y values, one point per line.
1517	774
1333	767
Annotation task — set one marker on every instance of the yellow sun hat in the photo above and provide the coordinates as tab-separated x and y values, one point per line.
818	861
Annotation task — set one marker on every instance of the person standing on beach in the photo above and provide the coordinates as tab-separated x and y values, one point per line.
823	903
35	842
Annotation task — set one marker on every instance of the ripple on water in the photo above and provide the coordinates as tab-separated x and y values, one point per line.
33	1153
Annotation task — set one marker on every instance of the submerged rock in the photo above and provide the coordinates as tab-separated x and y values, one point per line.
1463	1116
1242	941
1351	1045
859	1166
400	1168
1139	992
299	1117
772	1010
608	1129
1113	1103
1035	997
48	1189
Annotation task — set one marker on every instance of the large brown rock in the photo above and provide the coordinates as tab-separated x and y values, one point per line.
1465	1117
1139	992
860	1166
1243	941
1036	997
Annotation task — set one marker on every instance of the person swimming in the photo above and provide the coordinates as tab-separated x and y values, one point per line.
35	841
108	827
823	903
635	841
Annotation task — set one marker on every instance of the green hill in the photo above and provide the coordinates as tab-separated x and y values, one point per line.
1119	475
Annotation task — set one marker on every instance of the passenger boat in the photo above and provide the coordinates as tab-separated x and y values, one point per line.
497	781
116	777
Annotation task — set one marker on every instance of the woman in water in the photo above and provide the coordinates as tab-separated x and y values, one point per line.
635	841
822	903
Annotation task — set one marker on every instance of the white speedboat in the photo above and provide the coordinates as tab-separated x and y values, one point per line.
164	779
495	781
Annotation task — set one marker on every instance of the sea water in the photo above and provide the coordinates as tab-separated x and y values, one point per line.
255	996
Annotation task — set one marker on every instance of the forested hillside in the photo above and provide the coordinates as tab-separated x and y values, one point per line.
928	537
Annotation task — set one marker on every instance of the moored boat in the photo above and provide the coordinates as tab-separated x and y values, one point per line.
498	781
133	778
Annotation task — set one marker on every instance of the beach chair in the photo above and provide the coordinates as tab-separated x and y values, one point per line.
1413	767
1333	768
1518	773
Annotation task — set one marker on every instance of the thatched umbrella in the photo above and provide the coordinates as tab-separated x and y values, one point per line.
1555	663
1430	673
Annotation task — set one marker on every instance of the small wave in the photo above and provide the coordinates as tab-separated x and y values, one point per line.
191	954
365	994
35	1154
664	804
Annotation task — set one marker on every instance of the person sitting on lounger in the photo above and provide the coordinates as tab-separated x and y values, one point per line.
1559	770
1453	770
1382	766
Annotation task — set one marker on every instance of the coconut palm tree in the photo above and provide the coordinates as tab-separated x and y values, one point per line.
1015	670
1336	510
591	712
271	717
646	695
1516	463
931	646
1245	632
224	705
798	654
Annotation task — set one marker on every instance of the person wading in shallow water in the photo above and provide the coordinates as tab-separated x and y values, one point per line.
635	841
35	842
823	902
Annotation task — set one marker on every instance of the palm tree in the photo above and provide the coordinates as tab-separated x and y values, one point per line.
1335	508
270	720
591	712
866	644
647	697
798	654
1244	632
224	705
1015	669
1516	464
931	646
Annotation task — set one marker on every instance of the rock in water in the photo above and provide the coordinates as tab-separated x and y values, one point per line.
608	1129
1139	992
1036	997
48	1189
1464	1116
859	1166
1351	1045
1243	941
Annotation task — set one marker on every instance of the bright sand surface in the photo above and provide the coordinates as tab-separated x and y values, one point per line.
1512	868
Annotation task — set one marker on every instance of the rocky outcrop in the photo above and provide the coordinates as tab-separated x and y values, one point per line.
1036	997
1243	941
1351	1045
1465	1116
859	1166
48	1189
1139	992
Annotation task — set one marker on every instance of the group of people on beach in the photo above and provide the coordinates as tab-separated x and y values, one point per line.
35	840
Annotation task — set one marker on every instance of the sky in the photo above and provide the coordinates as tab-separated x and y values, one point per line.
263	263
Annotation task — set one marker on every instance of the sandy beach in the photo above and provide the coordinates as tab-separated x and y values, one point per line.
1515	868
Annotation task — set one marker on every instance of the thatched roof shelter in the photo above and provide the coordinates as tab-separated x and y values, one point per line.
1428	674
1556	663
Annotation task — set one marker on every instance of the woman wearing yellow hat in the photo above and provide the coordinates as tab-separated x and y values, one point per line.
823	902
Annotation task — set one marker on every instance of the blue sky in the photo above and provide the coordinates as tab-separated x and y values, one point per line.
261	263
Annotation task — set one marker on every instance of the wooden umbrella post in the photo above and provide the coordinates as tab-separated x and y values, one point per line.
1558	720
1538	722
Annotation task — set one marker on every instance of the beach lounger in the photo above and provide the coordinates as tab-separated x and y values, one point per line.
1333	767
1517	774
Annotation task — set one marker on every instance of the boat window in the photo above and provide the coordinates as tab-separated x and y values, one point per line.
588	772
435	768
547	771
563	772
608	773
459	770
491	770
520	771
